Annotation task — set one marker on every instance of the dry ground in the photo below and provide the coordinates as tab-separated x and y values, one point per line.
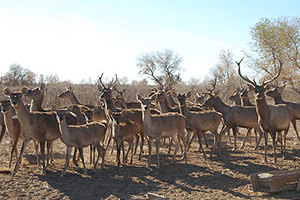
216	178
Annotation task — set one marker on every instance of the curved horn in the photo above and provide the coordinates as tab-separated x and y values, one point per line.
214	82
102	84
277	75
245	78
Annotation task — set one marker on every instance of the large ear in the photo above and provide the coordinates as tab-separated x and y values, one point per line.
42	87
7	91
138	97
153	97
69	88
53	108
188	95
267	87
250	87
24	90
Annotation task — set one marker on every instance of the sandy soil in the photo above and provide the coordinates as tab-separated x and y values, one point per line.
216	178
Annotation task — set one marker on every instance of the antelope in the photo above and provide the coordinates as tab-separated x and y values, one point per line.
274	93
200	98
236	97
234	116
160	126
245	98
200	122
37	97
241	98
13	127
80	136
125	131
272	119
69	94
106	93
39	126
125	104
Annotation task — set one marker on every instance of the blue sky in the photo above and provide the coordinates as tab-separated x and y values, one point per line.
81	39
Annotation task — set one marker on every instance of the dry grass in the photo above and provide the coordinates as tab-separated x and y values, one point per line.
216	178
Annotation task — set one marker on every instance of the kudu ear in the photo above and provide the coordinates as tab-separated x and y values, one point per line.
24	90
69	88
138	97
42	86
153	97
267	87
7	91
188	95
250	87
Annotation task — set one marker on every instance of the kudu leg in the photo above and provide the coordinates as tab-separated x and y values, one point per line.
24	145
82	158
42	144
246	137
141	147
36	147
157	152
131	157
295	128
99	150
150	145
199	133
68	155
137	137
2	132
273	134
13	149
75	161
118	153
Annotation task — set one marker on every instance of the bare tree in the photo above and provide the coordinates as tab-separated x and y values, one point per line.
17	75
163	67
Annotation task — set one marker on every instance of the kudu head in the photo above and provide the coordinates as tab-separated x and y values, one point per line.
106	91
212	95
145	102
36	93
16	97
67	93
5	105
235	97
182	98
259	89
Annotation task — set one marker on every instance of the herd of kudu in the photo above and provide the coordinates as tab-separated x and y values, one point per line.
154	117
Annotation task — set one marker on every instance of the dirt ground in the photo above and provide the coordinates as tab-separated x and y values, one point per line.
216	178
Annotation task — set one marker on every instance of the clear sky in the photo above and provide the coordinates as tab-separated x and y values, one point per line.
81	39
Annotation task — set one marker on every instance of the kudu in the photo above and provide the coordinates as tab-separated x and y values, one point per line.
272	119
200	122
125	104
241	98
106	93
236	97
80	136
38	126
69	94
160	126
125	131
36	95
274	93
13	127
234	116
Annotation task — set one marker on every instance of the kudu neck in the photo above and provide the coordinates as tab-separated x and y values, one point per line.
262	108
219	105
